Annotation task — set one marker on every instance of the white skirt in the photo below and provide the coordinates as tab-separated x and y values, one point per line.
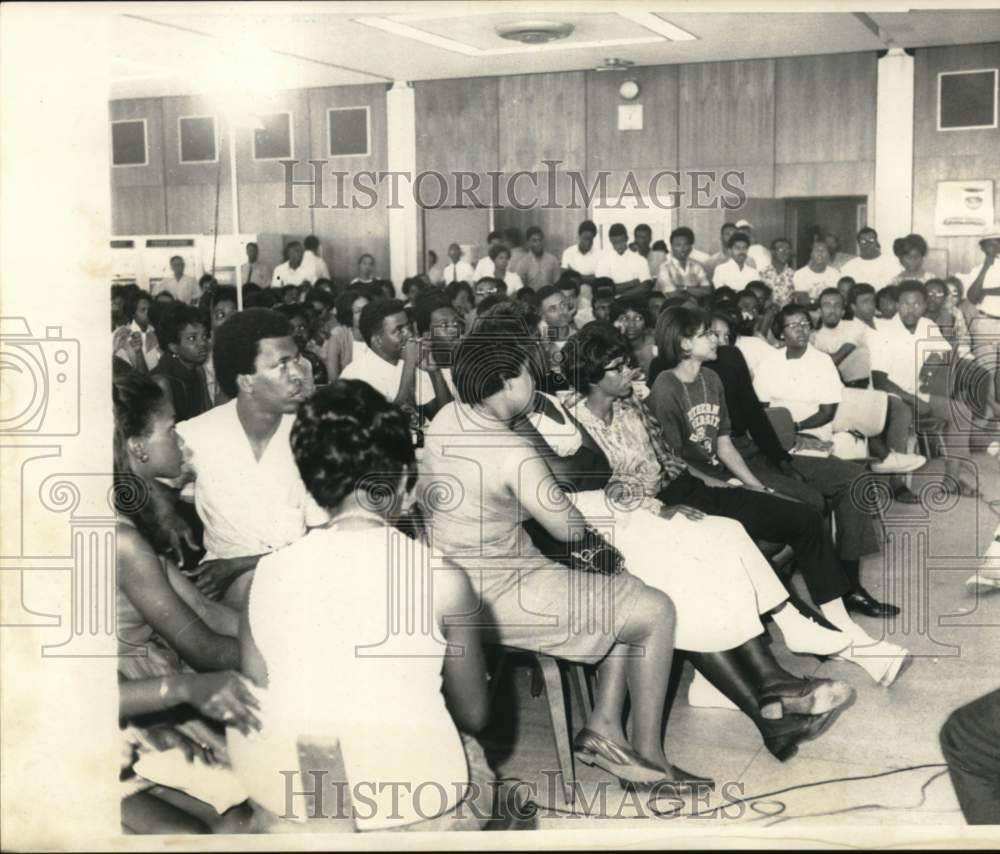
713	572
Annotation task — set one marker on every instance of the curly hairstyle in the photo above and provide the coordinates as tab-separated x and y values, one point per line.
348	438
586	355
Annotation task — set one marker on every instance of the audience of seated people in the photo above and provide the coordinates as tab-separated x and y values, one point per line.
674	395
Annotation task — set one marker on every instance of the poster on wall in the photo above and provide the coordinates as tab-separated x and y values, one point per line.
964	208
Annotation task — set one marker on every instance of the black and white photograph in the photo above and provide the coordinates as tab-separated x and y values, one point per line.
519	424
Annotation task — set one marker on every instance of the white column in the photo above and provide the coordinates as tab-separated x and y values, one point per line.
893	207
404	258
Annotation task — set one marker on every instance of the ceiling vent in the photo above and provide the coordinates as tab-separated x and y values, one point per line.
534	32
615	65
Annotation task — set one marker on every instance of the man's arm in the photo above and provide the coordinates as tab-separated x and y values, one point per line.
841	354
976	289
823	415
881	381
408	382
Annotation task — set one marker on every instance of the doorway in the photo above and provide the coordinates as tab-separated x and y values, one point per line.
840	215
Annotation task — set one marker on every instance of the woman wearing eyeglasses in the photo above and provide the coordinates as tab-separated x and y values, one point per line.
690	405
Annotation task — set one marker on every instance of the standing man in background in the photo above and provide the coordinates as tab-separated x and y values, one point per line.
182	288
254	271
313	261
294	270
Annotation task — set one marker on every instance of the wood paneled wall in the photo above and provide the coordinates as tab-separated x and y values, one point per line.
169	197
950	155
795	127
802	126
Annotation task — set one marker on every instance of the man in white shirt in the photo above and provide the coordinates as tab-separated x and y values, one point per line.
800	378
247	490
626	269
679	271
390	364
294	271
754	347
758	253
728	230
484	267
837	258
255	271
844	341
871	266
314	261
847	343
581	257
904	350
817	275
739	270
459	270
182	288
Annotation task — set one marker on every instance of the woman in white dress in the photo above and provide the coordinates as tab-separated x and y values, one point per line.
389	702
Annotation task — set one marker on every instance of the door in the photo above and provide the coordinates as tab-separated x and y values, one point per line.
808	218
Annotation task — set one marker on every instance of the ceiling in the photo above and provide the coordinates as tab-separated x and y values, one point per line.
194	50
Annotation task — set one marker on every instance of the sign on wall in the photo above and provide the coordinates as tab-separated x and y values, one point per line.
964	208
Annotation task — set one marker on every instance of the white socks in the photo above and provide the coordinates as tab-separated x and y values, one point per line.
836	613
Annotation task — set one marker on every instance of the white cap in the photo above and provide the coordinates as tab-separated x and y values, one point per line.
743	223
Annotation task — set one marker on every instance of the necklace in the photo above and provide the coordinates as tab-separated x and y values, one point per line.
687	397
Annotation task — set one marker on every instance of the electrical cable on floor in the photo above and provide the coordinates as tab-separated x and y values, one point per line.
751	800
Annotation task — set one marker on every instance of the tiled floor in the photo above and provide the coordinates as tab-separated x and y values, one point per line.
955	638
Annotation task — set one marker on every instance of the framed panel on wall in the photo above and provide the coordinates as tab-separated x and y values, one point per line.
197	139
273	140
128	143
967	100
348	131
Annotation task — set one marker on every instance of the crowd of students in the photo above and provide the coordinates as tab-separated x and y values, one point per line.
588	458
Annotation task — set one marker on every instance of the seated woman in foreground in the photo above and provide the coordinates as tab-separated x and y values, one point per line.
397	704
478	481
167	629
708	565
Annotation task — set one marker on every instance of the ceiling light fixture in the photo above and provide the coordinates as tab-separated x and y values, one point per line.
534	32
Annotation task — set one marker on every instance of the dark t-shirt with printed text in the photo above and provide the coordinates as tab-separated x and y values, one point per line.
693	421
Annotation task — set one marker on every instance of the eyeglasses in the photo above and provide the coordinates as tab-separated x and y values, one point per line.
798	324
620	368
448	324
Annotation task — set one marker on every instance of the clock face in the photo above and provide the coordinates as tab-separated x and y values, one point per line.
629	90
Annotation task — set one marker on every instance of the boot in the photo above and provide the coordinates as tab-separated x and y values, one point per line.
793	694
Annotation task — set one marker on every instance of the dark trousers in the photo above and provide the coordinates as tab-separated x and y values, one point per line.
777	520
970	741
829	482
